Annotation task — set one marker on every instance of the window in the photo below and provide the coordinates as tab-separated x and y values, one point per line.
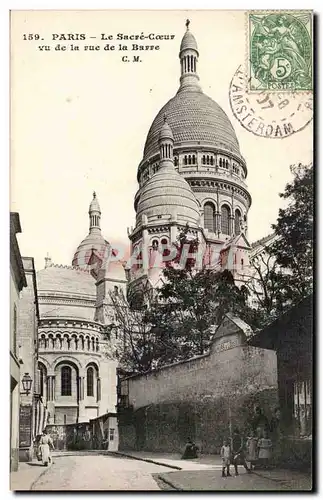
65	418
237	219
90	382
185	160
111	434
242	263
225	219
203	159
209	217
175	161
155	244
66	381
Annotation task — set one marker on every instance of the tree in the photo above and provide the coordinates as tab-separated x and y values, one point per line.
191	303
293	248
135	344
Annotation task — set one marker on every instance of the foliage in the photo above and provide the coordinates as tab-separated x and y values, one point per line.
293	248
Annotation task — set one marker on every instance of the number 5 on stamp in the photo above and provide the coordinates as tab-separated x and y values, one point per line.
280	51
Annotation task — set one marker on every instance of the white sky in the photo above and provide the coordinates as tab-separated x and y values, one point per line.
80	121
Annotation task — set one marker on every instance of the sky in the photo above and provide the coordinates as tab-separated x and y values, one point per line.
79	121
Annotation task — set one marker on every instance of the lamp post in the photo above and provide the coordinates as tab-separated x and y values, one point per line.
26	384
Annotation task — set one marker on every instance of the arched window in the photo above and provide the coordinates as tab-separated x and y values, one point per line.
203	159
237	218
225	219
175	161
212	160
66	381
209	217
189	159
185	160
90	381
220	161
155	244
193	160
208	160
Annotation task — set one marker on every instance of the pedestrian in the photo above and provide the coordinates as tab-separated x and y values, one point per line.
238	455
264	447
46	444
225	454
252	450
190	450
259	422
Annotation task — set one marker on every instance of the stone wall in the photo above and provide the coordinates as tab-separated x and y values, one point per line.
203	398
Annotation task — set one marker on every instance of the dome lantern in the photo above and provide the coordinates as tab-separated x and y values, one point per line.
188	55
94	214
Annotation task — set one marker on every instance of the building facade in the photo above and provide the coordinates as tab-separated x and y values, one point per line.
17	283
32	412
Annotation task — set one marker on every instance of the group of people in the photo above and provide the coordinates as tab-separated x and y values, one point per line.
251	452
256	450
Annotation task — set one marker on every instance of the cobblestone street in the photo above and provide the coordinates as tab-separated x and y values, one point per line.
99	472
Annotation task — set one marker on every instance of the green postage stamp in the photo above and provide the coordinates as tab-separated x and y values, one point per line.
280	51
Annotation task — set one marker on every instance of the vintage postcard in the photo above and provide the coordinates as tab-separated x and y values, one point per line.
161	250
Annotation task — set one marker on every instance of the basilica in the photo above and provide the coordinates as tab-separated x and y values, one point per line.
192	176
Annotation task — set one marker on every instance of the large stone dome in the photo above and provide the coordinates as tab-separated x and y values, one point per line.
194	118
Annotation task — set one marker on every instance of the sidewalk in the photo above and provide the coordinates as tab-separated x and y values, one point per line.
204	474
26	475
173	460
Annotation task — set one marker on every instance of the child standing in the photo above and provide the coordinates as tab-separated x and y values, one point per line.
252	451
225	455
264	447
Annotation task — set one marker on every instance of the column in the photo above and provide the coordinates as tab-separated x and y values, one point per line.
81	403
51	398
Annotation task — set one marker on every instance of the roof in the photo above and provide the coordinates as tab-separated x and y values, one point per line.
193	118
188	42
94	241
298	318
66	279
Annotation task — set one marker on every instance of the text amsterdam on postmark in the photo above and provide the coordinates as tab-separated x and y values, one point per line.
274	115
280	50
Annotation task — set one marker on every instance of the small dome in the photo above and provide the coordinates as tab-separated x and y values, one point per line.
188	42
93	242
94	205
166	131
167	195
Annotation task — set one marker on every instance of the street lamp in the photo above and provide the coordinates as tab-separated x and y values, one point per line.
26	384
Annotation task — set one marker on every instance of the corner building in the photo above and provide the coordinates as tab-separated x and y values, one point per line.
206	154
77	358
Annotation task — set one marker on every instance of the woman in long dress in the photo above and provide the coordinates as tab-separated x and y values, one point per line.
46	444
